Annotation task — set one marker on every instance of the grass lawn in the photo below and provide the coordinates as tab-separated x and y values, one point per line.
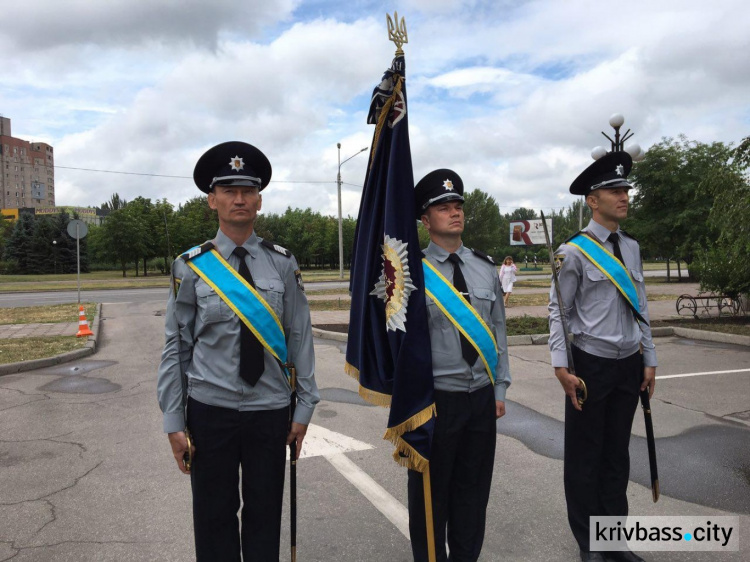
24	349
46	314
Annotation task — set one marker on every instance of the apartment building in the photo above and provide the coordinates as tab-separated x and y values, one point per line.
27	171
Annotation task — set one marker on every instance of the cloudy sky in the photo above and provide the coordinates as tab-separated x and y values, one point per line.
511	94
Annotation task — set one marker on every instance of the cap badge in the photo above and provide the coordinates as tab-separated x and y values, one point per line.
448	184
236	163
620	169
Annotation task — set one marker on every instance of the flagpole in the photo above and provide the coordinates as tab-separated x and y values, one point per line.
397	33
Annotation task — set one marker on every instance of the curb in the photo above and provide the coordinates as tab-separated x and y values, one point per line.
89	349
325	334
712	336
543	339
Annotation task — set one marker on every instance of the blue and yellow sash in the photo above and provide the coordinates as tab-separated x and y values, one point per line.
610	266
462	315
244	300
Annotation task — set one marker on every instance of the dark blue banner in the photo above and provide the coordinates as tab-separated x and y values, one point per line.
388	349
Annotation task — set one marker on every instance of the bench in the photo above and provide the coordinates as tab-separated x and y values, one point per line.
706	302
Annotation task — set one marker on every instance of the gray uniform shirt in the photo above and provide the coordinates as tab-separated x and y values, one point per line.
601	322
450	371
210	342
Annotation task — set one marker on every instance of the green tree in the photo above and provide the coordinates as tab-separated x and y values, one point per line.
6	228
195	223
64	246
18	246
669	210
164	221
482	228
723	265
114	203
150	232
118	240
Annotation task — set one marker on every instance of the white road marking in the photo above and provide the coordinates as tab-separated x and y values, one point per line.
322	442
389	506
702	374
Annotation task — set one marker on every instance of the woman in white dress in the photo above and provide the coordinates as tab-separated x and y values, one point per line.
507	277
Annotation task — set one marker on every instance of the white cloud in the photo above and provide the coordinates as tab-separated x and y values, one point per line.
46	24
512	95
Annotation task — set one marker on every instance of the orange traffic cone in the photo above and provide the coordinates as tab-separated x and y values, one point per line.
83	325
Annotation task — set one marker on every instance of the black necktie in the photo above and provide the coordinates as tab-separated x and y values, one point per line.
468	351
251	350
615	240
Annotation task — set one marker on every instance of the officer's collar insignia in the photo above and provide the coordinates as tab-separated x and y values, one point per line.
395	284
236	163
620	169
448	184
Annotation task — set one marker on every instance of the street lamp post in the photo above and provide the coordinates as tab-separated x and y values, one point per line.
341	223
616	121
54	252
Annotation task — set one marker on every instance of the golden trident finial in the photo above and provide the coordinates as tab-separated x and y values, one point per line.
397	32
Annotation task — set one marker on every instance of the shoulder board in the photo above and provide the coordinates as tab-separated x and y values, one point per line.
197	251
276	248
484	256
628	235
571	238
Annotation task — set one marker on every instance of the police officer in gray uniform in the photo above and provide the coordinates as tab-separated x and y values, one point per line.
467	403
236	392
613	352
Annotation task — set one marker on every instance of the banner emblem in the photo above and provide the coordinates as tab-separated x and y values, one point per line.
394	285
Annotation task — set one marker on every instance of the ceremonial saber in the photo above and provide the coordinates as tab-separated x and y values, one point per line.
581	393
646	404
293	469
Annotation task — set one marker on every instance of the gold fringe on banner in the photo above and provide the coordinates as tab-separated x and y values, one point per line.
352	371
372	396
392	434
376	398
412	460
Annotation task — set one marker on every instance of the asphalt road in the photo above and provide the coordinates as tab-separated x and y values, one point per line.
86	474
153	295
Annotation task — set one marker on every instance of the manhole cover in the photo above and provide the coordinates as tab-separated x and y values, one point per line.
80	385
77	368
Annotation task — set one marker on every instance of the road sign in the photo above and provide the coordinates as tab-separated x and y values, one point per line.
77	229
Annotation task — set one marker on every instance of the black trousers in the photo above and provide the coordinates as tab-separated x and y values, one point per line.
597	461
226	440
461	464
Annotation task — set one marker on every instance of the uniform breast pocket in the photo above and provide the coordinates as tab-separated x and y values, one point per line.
272	291
435	316
603	289
637	275
482	299
211	308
